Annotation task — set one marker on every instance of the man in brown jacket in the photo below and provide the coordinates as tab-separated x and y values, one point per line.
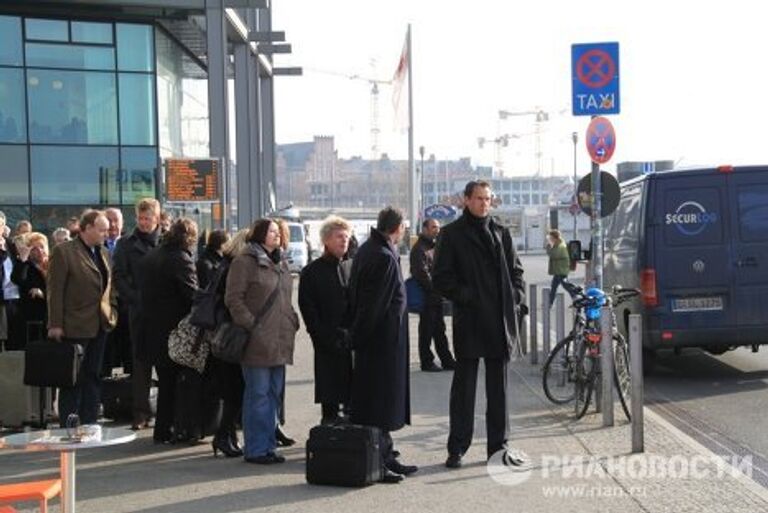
81	309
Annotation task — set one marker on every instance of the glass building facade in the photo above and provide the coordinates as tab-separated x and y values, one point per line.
87	109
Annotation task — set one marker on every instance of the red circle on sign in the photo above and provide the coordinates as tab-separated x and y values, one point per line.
595	64
601	140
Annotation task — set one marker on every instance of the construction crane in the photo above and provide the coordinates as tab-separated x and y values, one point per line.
375	129
540	117
499	142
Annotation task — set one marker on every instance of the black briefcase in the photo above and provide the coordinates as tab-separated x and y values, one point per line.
48	363
344	455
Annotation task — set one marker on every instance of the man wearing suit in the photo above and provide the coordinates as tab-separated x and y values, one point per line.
82	309
477	268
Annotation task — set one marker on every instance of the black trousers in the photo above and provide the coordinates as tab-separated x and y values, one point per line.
167	375
462	408
84	398
432	326
229	381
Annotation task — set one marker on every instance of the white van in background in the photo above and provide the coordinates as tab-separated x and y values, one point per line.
298	249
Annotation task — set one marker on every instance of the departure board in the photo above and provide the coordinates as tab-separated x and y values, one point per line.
192	180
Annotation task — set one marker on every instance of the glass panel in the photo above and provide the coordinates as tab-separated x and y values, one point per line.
72	107
86	32
47	30
753	213
10	41
137	109
14	179
134	48
139	170
13	122
46	219
70	56
62	175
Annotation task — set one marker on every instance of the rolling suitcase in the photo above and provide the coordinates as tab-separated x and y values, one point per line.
344	455
21	404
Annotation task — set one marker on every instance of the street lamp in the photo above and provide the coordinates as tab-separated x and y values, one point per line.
423	206
575	139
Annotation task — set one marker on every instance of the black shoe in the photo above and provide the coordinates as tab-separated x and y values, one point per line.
398	468
453	461
390	477
225	445
431	368
266	459
283	440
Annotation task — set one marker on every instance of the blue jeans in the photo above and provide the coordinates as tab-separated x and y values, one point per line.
261	402
558	280
85	396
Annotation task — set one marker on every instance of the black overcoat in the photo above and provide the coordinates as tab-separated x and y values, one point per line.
323	305
469	270
379	337
168	284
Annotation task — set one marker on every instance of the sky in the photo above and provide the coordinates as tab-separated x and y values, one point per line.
693	78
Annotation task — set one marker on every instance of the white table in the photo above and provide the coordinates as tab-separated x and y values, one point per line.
57	440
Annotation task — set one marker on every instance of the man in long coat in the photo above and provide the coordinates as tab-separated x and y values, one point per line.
323	303
477	268
379	338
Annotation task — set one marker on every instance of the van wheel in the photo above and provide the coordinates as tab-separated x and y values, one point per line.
717	350
650	359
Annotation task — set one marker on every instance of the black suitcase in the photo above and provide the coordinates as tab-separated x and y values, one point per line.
344	455
48	363
117	398
198	407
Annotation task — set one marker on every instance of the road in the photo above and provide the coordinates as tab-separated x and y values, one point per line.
721	401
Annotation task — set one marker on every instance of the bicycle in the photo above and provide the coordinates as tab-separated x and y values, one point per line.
573	366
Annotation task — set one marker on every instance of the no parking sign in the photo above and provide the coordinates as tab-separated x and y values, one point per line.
595	79
601	140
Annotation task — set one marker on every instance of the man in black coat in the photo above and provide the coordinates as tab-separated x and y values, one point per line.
379	338
127	258
323	303
477	268
431	323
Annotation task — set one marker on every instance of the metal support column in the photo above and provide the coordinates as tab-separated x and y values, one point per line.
636	371
258	196
606	365
267	105
546	339
243	137
67	470
534	324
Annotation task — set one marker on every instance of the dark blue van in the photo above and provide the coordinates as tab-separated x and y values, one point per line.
695	242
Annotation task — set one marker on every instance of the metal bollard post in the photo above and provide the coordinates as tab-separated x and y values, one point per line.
533	324
560	317
636	369
546	345
606	365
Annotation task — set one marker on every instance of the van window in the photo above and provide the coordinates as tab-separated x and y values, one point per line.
297	233
624	225
692	216
753	213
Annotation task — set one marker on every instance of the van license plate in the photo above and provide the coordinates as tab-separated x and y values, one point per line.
697	304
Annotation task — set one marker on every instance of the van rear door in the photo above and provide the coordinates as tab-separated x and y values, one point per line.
748	189
694	277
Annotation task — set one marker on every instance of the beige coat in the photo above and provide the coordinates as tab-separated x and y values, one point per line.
252	278
76	301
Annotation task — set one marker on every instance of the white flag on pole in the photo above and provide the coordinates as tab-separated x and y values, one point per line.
400	90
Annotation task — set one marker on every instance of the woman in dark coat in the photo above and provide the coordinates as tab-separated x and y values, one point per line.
211	257
379	336
323	304
29	275
168	284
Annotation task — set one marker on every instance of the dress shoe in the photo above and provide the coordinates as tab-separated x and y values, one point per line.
390	477
398	468
225	445
453	461
266	459
282	439
431	368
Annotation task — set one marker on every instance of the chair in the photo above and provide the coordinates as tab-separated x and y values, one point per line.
41	491
7	509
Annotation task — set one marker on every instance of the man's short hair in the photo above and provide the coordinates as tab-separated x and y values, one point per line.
469	189
332	224
389	220
425	223
89	218
148	205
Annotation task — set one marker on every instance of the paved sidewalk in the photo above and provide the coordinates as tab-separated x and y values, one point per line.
141	477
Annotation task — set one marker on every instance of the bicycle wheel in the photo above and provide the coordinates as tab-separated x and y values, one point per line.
559	369
584	377
622	377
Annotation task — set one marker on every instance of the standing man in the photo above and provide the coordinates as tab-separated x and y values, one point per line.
12	327
379	338
129	253
115	218
323	303
477	268
82	309
431	323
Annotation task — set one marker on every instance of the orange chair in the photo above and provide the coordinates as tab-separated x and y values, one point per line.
41	491
7	509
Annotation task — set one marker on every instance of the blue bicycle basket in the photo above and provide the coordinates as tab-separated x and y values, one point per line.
597	300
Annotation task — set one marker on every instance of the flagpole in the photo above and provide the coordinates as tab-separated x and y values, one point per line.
413	200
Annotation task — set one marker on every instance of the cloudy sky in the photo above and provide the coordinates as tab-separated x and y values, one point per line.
694	79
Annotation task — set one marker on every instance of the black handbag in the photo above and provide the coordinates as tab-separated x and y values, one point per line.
229	341
48	363
208	307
